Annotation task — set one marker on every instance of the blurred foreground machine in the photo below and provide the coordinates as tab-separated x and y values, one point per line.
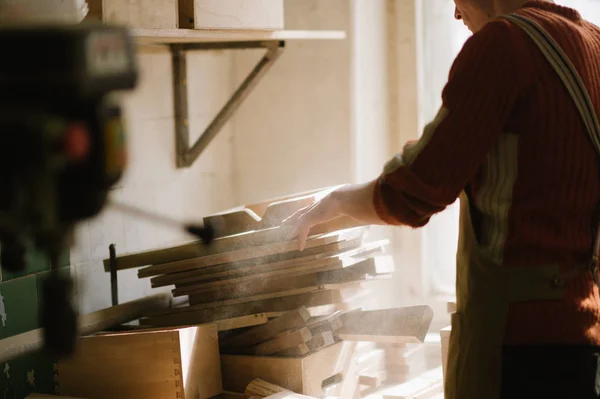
62	146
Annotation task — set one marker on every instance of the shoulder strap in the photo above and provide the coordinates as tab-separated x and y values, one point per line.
571	79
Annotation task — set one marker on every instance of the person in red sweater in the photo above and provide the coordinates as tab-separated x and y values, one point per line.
510	142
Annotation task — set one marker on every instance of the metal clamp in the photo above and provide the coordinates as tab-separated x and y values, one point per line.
186	154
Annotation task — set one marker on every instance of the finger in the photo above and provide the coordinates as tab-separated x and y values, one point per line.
302	237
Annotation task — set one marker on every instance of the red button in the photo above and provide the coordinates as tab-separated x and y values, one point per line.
77	141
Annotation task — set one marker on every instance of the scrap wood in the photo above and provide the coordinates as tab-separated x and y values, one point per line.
285	303
331	322
285	340
405	325
317	342
279	260
337	261
293	319
261	388
246	247
289	395
198	249
348	287
241	322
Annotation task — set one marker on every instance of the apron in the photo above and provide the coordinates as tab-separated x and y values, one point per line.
485	288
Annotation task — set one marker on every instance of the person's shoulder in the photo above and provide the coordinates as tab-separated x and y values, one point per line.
497	43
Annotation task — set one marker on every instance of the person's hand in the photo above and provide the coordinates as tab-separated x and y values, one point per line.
320	211
351	200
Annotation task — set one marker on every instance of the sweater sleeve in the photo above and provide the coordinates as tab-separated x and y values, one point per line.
428	175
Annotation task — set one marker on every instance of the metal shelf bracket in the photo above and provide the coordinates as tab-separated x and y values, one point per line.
186	153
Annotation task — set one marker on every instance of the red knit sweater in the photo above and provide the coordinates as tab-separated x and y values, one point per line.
509	133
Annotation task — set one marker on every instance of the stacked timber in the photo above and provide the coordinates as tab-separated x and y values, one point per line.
297	319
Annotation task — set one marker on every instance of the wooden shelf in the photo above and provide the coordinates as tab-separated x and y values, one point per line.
169	36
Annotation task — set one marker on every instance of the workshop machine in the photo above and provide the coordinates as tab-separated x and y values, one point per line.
62	144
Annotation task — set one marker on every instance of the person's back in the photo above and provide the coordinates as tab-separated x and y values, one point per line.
509	137
539	189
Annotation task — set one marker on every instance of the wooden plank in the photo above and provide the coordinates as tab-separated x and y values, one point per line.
290	320
241	247
316	342
31	341
262	388
285	340
289	395
196	248
266	285
242	322
402	325
340	261
167	36
256	265
144	364
369	267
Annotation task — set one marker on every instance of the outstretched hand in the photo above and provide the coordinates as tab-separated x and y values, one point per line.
318	212
351	200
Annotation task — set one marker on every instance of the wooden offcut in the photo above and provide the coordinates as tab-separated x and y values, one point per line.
285	340
316	342
401	325
290	320
152	14
232	249
242	322
271	277
261	388
169	363
255	265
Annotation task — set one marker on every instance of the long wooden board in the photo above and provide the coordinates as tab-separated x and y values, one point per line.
232	269
196	248
343	260
243	250
279	283
190	315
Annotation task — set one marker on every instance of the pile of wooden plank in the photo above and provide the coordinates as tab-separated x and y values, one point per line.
298	319
255	268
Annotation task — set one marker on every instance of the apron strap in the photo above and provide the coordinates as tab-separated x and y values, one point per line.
574	84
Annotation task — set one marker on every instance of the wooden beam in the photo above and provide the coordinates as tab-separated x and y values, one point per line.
401	325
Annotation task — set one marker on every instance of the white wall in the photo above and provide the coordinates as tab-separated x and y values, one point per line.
152	180
293	132
328	112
